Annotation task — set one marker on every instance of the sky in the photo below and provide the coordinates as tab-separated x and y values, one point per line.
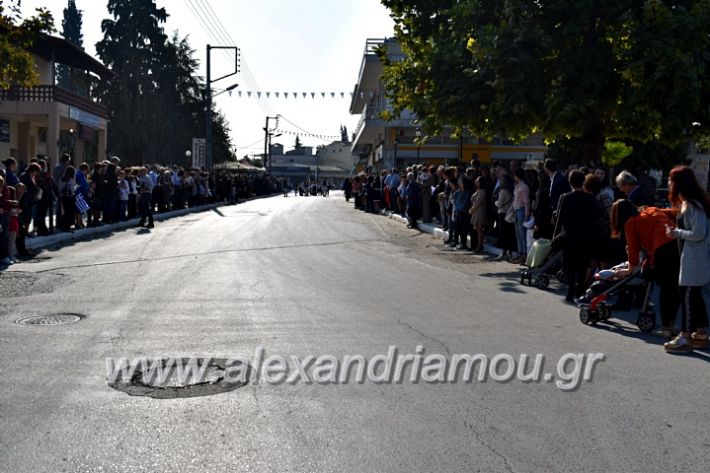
286	46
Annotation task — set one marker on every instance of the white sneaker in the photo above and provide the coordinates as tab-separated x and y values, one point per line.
6	262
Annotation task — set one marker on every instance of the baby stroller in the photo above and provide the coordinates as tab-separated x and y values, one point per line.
542	264
611	291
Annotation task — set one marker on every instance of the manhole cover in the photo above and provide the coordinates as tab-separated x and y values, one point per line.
52	319
173	378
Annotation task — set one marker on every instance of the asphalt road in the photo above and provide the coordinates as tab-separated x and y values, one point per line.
311	276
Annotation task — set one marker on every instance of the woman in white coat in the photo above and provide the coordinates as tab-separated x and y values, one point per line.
693	234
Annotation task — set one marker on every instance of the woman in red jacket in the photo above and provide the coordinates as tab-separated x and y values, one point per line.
645	229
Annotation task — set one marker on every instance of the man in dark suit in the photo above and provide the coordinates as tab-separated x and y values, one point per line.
629	185
558	183
578	218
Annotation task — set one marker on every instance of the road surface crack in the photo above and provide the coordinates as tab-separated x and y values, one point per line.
436	340
480	440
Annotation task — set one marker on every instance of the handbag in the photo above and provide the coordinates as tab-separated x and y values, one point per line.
510	214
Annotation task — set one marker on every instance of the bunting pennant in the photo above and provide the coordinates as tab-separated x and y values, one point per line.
310	135
258	94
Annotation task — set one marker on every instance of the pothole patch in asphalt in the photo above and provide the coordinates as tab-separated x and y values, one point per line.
176	378
21	283
51	319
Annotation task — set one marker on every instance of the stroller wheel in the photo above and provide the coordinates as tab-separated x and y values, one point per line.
561	277
542	282
604	312
646	321
588	317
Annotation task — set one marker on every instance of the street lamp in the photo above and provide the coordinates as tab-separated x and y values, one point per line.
228	89
188	155
419	135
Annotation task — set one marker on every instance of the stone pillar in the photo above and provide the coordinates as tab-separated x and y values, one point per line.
101	147
53	136
701	165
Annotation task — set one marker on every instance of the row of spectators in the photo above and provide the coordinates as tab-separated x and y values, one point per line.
35	200
577	209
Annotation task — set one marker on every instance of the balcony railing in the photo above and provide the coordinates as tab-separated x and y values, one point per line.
52	93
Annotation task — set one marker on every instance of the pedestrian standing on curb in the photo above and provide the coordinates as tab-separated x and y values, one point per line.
67	194
124	191
413	196
505	223
521	205
145	189
478	213
578	229
462	202
6	204
57	174
13	228
83	189
691	231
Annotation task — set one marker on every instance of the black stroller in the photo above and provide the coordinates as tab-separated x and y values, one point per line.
609	292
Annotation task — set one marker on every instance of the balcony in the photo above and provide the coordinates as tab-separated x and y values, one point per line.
371	123
53	93
371	70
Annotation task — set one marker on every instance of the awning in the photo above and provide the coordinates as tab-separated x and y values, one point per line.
65	52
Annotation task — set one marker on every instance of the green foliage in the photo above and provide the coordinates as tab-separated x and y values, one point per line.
615	152
156	104
17	66
71	31
630	70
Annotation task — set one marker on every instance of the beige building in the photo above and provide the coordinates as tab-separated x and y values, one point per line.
50	120
380	143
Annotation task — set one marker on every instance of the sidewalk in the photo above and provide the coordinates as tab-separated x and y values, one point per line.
438	232
36	243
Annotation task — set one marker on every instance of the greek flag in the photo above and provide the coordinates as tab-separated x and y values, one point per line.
81	204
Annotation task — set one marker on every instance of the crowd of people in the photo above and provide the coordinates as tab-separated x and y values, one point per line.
36	200
594	224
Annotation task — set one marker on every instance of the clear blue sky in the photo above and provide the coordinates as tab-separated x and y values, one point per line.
288	46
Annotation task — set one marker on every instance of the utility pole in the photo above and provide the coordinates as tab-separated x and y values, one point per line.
208	99
267	142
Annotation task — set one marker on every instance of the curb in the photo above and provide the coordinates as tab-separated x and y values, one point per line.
37	243
439	233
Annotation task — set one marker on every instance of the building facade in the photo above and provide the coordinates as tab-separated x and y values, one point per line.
380	143
49	120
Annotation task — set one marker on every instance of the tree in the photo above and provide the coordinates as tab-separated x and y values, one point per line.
298	143
132	45
156	105
71	31
17	67
344	134
634	70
